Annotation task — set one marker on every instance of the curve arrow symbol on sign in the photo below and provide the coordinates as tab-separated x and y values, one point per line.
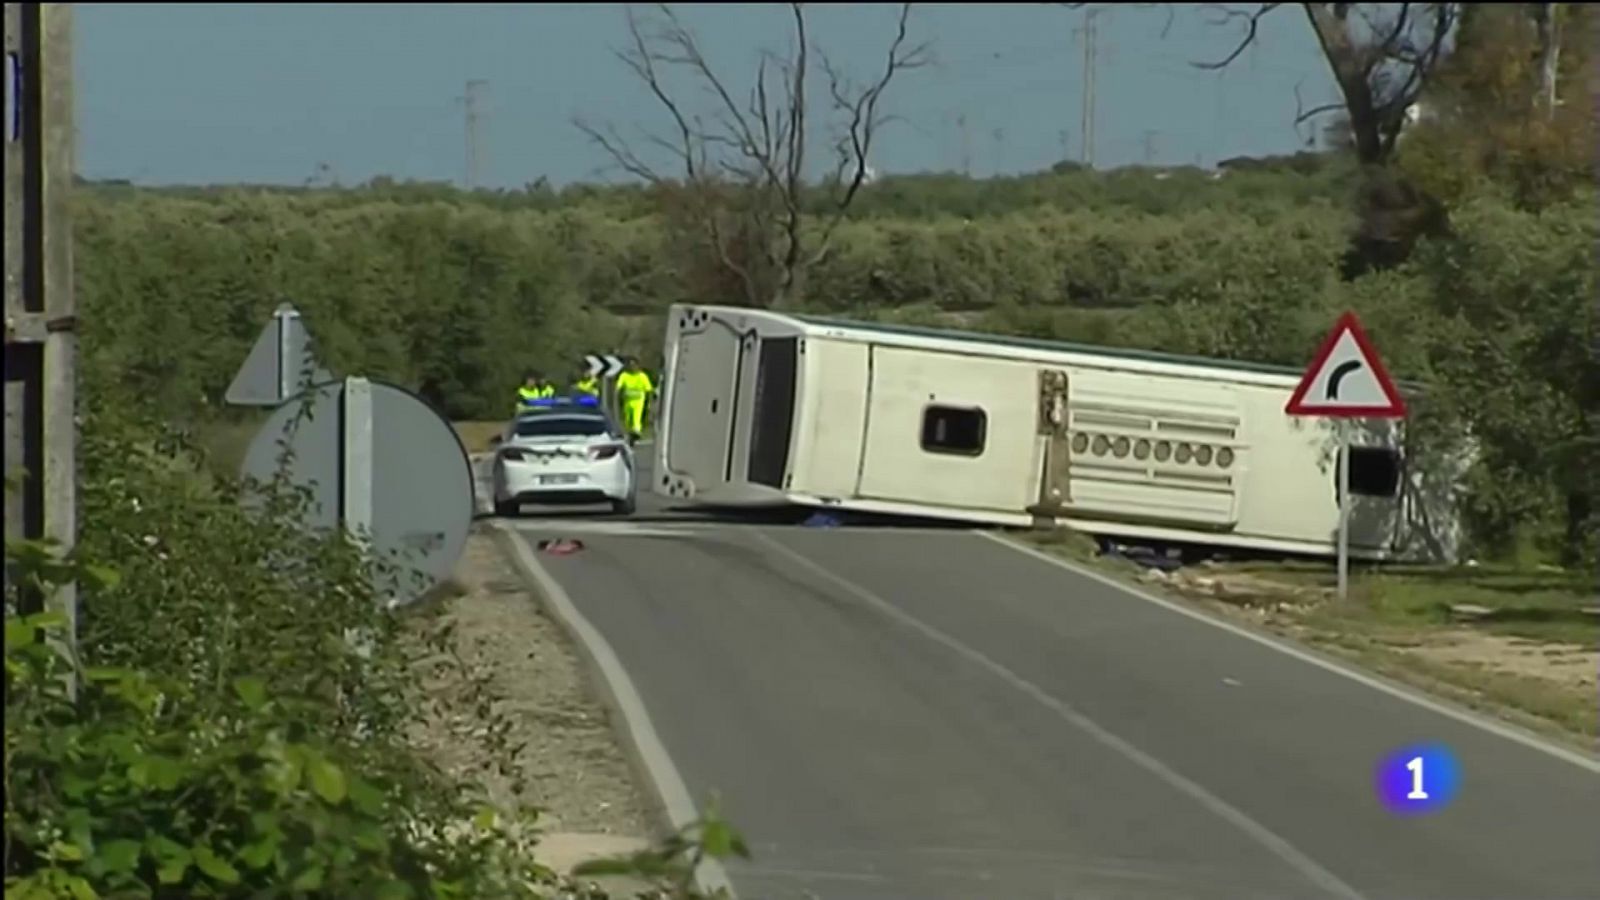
1338	375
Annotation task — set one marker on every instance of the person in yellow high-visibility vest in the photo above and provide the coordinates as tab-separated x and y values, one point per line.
633	390
528	391
586	384
534	388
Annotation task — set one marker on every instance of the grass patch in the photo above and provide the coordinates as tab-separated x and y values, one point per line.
475	435
1537	605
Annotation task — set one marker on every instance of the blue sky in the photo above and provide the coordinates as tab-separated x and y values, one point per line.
275	93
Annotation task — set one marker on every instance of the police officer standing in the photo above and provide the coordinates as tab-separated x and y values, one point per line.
528	391
534	388
634	388
584	389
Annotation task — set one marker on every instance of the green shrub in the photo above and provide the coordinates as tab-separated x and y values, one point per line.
239	724
244	695
131	792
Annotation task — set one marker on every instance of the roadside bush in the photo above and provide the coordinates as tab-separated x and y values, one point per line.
239	724
244	696
131	791
1518	289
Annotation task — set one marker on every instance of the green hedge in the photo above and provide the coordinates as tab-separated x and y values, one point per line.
456	296
461	296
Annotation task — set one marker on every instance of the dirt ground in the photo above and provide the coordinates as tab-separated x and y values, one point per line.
574	771
1568	665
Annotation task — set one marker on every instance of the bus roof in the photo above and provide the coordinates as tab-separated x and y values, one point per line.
1127	353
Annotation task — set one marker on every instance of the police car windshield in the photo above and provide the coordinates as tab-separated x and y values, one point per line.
561	426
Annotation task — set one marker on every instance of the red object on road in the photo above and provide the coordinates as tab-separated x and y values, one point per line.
561	546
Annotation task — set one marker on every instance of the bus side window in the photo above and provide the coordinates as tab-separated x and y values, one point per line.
1374	471
954	430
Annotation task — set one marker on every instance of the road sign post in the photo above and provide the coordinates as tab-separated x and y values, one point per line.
355	413
1346	380
377	461
1344	514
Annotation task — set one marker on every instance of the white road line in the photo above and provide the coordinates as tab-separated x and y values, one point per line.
647	745
1262	835
1499	729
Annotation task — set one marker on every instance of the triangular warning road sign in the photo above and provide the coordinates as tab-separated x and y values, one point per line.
279	366
1346	379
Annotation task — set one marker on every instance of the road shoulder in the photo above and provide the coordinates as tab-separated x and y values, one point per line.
564	759
673	807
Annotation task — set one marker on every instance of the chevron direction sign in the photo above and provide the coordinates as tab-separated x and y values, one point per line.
604	365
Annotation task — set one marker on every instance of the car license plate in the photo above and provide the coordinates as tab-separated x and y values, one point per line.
558	479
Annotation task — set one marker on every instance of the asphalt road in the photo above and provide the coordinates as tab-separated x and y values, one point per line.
931	714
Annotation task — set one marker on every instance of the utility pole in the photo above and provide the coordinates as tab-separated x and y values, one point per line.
41	346
476	95
1086	126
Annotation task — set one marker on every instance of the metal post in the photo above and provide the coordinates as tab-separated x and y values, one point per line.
608	397
1344	513
286	359
41	347
355	473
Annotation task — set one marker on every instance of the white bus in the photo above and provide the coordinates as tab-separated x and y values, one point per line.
769	409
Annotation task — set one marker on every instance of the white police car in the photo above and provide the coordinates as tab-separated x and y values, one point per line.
563	453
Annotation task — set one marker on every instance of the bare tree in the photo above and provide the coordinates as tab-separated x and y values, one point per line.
740	173
1381	56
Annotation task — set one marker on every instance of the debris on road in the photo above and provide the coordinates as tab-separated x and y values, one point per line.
560	546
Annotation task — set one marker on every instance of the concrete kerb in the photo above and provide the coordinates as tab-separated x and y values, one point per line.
674	807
